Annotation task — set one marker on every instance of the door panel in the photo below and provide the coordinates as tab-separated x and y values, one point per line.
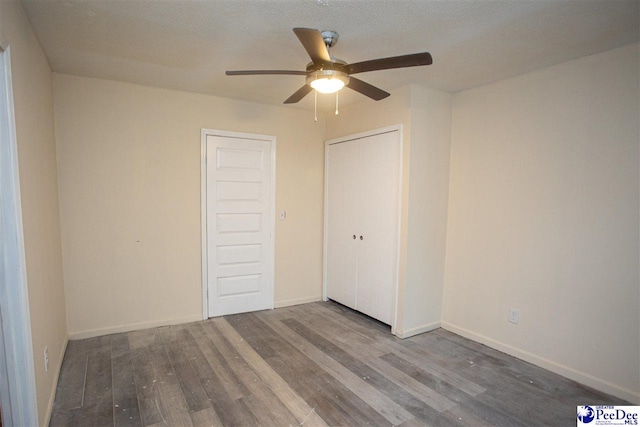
342	224
239	225
378	205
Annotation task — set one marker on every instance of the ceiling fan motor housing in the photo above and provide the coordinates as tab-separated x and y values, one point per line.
335	64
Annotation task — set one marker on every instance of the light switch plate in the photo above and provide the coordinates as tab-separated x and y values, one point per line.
514	315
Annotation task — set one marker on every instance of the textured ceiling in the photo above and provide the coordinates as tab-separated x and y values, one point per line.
187	45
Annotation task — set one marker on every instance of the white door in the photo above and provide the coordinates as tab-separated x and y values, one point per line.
378	176
240	223
362	205
342	223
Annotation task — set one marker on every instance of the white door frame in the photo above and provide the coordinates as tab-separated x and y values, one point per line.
203	204
18	389
387	129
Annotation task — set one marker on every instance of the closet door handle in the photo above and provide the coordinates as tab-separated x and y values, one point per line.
361	238
354	237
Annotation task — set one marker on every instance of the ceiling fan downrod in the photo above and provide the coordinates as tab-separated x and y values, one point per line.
330	38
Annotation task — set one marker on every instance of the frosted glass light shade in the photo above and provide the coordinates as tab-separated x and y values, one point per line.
327	85
328	81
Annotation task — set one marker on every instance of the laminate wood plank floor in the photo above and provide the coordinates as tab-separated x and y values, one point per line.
315	364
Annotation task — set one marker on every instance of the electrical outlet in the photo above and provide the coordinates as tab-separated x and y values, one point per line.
514	315
46	359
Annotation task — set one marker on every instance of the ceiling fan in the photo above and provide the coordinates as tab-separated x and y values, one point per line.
328	75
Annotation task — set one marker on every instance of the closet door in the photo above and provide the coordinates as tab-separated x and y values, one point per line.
377	212
342	210
361	234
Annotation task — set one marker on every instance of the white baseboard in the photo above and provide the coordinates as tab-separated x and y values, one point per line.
52	397
297	301
406	333
581	377
90	333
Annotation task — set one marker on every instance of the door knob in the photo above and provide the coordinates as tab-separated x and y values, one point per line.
361	238
354	237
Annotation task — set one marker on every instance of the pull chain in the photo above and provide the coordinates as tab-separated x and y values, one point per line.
315	105
337	103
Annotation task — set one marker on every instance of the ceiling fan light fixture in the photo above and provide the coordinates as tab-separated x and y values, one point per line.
327	85
328	81
327	74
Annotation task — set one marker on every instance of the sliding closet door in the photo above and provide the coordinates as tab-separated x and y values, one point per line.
342	211
378	224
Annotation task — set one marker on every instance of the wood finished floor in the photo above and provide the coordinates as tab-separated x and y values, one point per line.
316	364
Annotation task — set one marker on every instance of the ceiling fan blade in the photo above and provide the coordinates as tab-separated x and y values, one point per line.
265	72
298	95
314	45
413	60
366	89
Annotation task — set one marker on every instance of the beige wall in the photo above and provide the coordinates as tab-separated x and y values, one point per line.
544	218
129	170
39	193
425	115
428	207
543	183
